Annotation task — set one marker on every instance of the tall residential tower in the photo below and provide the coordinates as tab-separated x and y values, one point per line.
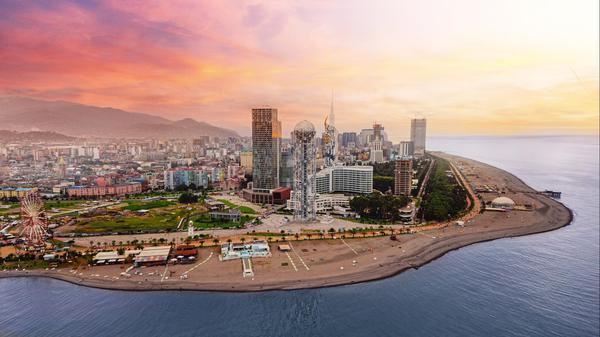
304	171
266	148
403	176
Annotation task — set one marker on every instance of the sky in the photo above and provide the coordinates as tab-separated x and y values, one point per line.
470	67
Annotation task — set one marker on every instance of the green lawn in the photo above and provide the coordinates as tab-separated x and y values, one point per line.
63	204
12	205
136	205
153	221
203	221
243	209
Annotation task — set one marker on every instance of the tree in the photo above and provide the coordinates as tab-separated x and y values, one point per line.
215	241
188	198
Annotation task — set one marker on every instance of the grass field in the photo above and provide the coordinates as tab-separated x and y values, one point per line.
243	209
157	219
12	209
63	204
203	221
136	205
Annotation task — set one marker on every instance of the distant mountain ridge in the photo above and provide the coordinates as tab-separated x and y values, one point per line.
73	119
33	136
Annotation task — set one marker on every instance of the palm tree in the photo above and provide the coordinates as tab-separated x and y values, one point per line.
91	243
243	239
297	236
228	240
269	239
201	243
114	243
331	232
308	235
215	241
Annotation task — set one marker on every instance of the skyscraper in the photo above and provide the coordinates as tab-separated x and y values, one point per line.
304	171
377	144
349	139
403	177
418	134
266	148
330	138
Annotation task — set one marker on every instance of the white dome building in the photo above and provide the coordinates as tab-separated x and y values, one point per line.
503	202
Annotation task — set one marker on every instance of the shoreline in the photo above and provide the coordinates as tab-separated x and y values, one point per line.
425	250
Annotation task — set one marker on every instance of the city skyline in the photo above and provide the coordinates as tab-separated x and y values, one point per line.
504	68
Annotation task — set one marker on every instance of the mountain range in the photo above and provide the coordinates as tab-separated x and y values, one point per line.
78	120
33	136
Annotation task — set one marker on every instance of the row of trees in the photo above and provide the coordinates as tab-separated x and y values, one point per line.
444	198
380	207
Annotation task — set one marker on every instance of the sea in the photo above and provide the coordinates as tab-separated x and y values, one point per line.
538	285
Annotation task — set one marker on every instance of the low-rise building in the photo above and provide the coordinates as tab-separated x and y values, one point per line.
185	176
347	179
103	191
232	251
150	256
18	192
232	215
325	202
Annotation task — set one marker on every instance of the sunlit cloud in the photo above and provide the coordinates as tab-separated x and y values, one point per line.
469	66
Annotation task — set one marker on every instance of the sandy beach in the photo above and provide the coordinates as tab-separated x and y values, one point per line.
321	263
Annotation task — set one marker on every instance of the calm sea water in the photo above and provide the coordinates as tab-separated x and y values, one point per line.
538	285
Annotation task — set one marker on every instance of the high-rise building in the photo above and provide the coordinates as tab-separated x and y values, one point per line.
365	137
349	139
304	171
418	134
407	149
329	138
377	144
266	148
403	176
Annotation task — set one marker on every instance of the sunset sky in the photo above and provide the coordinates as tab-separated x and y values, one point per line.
470	67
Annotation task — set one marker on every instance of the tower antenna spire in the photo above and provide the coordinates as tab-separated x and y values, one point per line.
331	114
